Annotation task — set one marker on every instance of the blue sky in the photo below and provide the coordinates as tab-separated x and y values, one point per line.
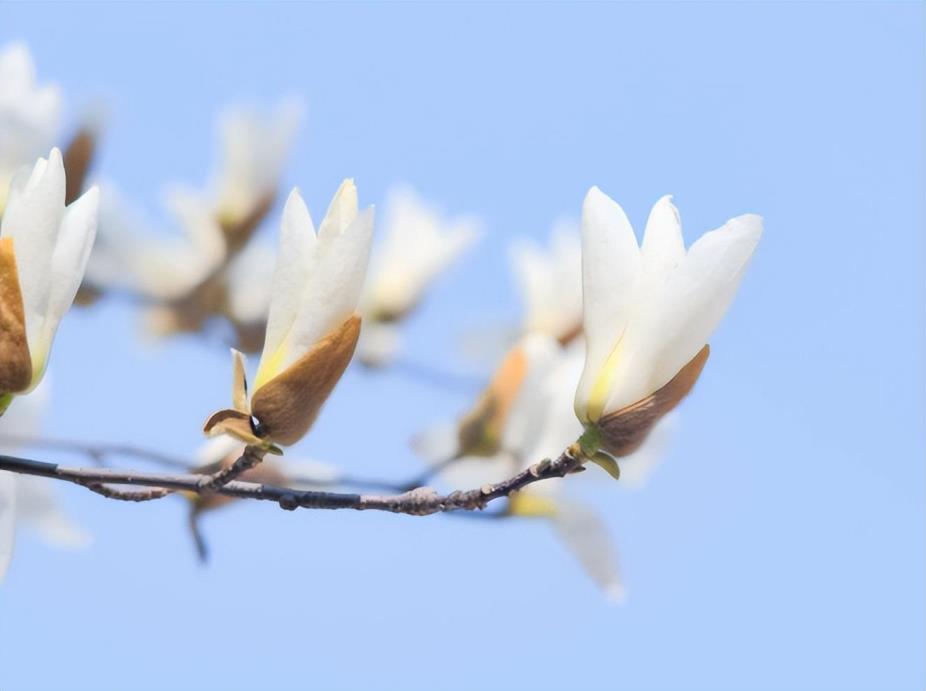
781	543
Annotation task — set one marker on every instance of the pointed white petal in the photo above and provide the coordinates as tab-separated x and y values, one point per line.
75	240
33	218
610	271
254	146
586	536
203	232
677	321
550	282
250	280
530	412
341	212
332	290
663	246
296	261
702	290
29	114
418	245
559	426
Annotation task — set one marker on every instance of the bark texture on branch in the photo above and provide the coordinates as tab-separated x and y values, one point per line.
421	501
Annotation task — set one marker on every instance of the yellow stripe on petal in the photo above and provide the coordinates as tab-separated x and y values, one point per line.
271	367
603	383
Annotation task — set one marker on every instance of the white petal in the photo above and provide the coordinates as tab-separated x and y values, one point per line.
663	247
318	281
550	282
29	114
250	280
417	247
254	146
702	290
587	537
341	212
33	218
677	321
129	255
610	270
75	240
202	229
531	407
332	290
560	426
294	263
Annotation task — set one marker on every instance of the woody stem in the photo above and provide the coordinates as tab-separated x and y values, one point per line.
417	502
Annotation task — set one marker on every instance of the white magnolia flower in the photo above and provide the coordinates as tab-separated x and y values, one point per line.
540	424
550	282
129	255
30	501
44	248
188	274
30	114
254	146
312	328
418	245
649	313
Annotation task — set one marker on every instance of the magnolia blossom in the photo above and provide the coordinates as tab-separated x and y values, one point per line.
44	248
130	255
417	247
188	274
537	423
26	500
649	313
312	328
29	114
253	149
550	282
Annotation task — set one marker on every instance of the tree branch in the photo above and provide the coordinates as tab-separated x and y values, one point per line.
99	452
417	502
250	457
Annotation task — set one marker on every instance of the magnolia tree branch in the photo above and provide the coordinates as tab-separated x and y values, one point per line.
421	501
101	452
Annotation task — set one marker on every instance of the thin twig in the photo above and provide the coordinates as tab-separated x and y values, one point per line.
250	457
417	502
136	495
99	452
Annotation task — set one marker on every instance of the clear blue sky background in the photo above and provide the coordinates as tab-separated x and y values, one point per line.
781	545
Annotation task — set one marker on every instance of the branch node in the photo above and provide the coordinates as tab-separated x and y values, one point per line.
289	502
